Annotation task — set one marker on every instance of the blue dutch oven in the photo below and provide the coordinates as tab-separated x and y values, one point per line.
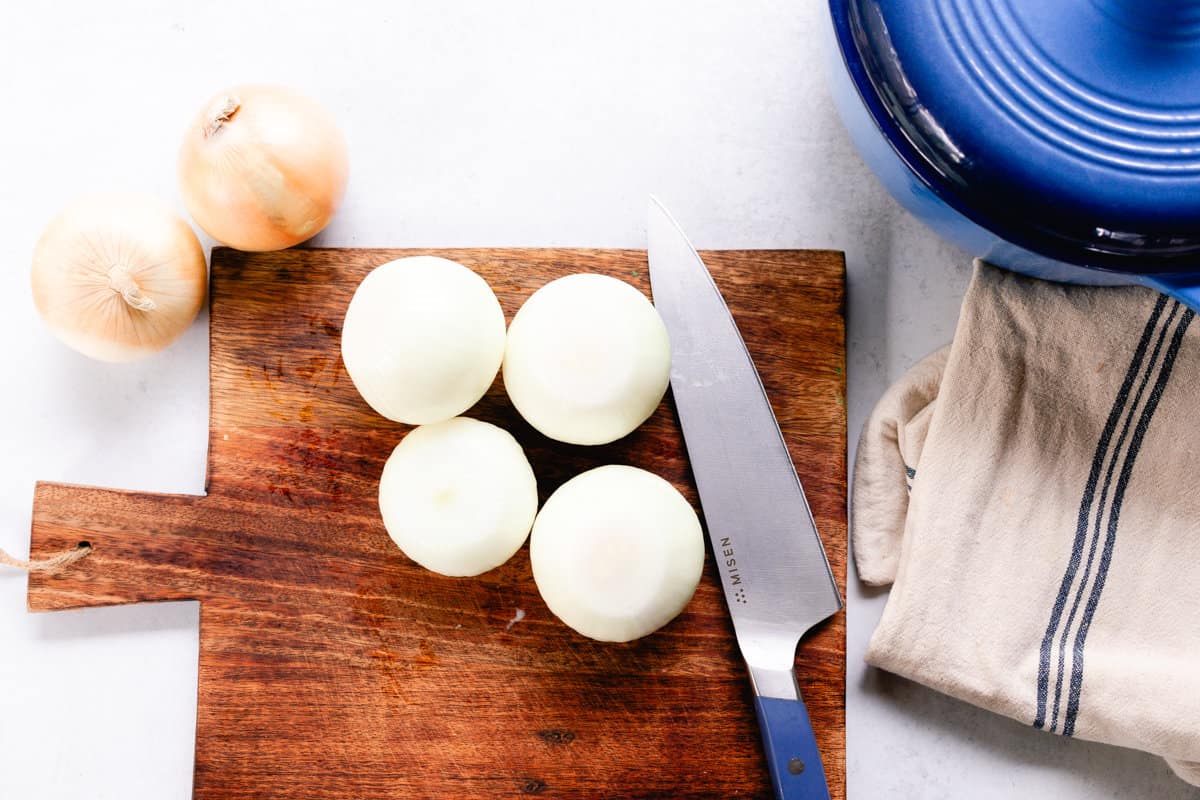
1058	138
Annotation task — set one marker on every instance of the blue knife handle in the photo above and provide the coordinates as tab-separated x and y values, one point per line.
791	748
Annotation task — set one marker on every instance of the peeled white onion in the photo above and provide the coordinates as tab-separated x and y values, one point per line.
588	359
617	553
458	497
423	339
118	276
262	168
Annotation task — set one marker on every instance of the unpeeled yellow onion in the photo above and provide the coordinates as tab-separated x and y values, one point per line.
262	168
118	276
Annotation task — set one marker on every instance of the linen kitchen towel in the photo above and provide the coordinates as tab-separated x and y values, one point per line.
1031	494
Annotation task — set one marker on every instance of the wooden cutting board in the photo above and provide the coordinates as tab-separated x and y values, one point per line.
333	667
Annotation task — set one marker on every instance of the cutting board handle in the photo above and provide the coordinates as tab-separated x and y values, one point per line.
139	542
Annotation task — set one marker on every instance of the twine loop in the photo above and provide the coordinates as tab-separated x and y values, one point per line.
52	564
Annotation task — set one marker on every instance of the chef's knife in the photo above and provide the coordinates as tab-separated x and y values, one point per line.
777	580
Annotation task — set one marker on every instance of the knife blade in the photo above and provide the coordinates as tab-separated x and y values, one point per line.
773	567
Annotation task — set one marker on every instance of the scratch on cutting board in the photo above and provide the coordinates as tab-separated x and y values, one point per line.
520	615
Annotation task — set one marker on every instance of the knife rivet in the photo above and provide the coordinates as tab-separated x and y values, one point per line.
795	766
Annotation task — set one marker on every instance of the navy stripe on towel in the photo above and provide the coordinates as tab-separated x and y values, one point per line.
1101	508
1114	519
1085	507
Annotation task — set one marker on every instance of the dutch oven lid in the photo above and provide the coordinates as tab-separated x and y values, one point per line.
1070	127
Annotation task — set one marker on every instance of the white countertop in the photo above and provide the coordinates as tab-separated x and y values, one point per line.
516	123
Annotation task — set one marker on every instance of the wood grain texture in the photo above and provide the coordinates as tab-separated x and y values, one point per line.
333	667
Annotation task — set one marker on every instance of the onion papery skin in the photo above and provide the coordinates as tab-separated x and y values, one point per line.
118	277
263	168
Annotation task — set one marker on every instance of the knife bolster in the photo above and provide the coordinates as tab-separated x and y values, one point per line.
777	683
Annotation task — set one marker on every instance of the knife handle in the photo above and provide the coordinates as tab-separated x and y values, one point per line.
791	748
